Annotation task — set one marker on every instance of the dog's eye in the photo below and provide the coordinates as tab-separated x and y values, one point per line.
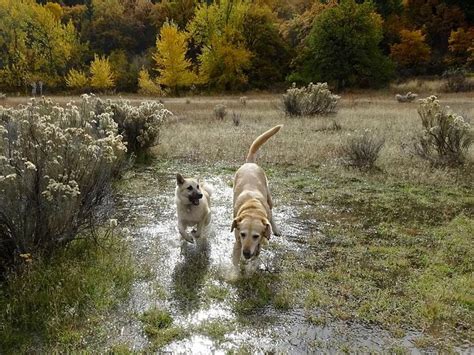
242	235
256	236
190	188
197	187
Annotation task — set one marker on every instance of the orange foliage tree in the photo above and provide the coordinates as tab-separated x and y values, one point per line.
412	51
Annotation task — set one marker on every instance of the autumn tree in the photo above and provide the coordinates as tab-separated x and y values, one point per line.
102	77
270	54
437	18
412	53
217	30
343	47
34	44
170	57
461	47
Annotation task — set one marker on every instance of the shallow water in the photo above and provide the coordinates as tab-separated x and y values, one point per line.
179	273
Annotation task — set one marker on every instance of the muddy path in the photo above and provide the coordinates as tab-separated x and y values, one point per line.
195	283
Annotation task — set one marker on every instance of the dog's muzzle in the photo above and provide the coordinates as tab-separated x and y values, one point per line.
194	198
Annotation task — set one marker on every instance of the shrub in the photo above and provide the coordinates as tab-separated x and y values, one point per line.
446	136
139	125
315	99
220	110
456	80
77	80
236	117
408	97
56	165
146	85
362	150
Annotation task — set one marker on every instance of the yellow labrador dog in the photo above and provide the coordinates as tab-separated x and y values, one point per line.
253	219
193	204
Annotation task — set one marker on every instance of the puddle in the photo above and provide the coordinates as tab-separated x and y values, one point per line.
183	275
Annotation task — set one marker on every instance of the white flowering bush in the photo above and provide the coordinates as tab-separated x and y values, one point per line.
314	99
56	165
140	125
446	136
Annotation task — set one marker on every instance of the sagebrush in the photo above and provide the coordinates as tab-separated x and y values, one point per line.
314	99
56	165
361	150
446	136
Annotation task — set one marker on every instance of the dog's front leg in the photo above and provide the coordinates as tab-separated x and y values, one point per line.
184	234
200	226
236	253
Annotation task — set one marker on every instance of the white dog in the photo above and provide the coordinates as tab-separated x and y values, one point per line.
193	203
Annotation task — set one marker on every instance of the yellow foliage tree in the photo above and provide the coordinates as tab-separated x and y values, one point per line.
222	64
170	57
412	50
77	80
146	85
35	44
461	47
102	76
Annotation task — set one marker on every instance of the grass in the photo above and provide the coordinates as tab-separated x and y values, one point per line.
396	255
388	240
158	326
53	305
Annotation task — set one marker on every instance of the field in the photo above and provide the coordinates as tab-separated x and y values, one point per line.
368	260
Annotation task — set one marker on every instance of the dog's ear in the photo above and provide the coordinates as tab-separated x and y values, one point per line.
268	229
179	179
235	224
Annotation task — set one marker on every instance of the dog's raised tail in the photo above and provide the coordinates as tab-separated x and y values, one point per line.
257	143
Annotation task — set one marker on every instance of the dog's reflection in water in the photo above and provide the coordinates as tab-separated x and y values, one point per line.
189	274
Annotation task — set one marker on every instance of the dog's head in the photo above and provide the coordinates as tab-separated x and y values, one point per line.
251	231
188	190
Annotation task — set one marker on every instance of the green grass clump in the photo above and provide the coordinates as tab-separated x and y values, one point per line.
158	326
52	304
215	329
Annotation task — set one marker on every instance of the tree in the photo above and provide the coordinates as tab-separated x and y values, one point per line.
461	47
34	44
437	19
102	77
270	54
222	65
77	80
412	53
216	30
146	86
343	47
170	57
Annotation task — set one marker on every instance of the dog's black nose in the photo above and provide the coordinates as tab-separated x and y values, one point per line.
247	254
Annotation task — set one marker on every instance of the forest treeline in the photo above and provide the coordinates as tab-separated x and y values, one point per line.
159	47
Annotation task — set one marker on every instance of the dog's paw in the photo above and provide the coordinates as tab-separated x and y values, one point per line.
188	238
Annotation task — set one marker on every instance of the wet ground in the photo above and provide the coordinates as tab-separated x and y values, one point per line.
197	285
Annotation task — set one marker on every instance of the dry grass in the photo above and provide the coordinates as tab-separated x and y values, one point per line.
194	135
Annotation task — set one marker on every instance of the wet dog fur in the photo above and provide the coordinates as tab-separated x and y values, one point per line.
253	221
193	204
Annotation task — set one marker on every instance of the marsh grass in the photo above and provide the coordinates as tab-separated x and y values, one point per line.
392	254
52	304
158	326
